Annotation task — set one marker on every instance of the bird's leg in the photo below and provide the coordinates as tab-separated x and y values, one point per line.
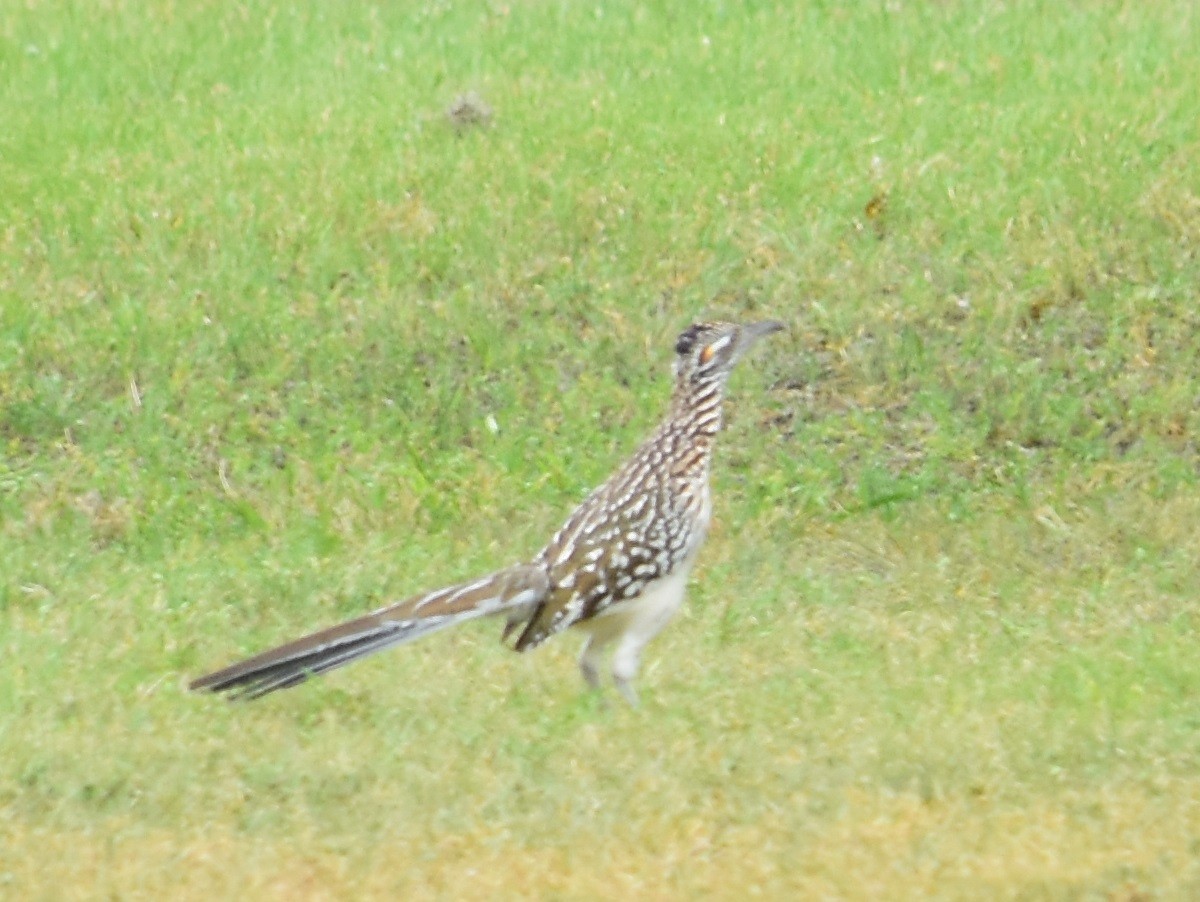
626	661
625	687
589	662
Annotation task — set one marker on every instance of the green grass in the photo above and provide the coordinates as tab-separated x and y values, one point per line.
279	343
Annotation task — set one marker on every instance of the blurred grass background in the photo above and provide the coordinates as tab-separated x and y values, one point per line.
280	341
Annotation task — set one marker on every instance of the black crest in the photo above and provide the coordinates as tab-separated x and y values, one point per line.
687	339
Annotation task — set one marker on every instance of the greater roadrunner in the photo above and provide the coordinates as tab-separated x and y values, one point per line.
616	569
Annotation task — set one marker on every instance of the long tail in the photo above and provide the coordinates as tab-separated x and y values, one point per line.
291	664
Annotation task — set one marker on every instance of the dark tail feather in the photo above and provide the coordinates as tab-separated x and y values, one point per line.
291	664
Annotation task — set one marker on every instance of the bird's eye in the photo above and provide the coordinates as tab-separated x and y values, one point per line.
707	354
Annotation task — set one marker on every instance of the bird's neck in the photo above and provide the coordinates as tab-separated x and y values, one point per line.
696	407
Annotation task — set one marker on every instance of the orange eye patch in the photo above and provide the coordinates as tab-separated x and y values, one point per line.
707	354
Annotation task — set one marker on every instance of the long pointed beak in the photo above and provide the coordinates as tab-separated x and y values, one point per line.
752	333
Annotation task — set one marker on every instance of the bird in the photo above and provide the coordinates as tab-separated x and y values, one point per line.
616	570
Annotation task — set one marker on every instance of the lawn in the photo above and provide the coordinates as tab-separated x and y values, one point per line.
286	335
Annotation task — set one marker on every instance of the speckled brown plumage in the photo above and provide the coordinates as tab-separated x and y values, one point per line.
616	569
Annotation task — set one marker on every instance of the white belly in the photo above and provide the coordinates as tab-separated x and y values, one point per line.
643	617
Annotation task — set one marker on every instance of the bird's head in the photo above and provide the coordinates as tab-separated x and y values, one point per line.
707	352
